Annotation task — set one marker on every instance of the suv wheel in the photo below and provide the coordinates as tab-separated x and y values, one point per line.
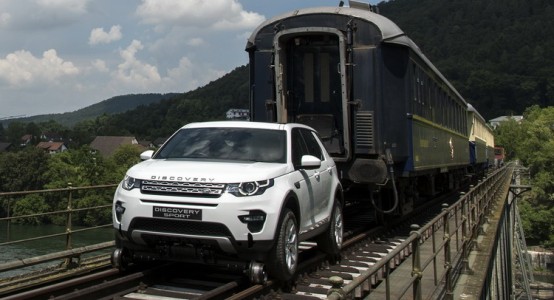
283	258
330	241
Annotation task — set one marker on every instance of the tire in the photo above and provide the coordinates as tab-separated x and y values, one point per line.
283	258
330	241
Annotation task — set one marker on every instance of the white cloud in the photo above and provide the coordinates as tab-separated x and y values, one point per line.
216	14
41	14
98	35
135	75
100	65
188	75
132	71
196	42
4	19
21	68
73	6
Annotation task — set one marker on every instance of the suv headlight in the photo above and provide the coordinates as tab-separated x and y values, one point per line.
249	188
130	183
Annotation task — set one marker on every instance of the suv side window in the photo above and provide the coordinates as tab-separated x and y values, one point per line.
312	144
299	147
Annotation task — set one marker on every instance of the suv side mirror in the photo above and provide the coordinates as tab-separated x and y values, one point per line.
146	155
310	162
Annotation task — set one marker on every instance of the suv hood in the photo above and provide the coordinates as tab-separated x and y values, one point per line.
206	170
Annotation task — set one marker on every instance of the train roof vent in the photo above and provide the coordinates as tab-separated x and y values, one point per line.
363	5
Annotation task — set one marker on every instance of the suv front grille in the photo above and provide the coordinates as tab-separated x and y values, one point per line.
182	188
179	227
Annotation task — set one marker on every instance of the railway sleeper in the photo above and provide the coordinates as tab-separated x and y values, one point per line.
380	254
377	277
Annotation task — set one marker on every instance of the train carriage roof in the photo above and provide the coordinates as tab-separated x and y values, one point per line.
391	33
387	27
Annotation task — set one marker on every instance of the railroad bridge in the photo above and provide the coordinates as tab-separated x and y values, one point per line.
473	248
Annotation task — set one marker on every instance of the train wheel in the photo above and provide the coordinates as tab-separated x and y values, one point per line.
256	273
119	259
330	241
283	258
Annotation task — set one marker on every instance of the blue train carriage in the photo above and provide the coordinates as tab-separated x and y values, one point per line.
392	122
481	142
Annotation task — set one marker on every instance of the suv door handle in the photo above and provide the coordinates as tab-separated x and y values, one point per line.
316	175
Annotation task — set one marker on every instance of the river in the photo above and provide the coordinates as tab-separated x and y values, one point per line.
44	246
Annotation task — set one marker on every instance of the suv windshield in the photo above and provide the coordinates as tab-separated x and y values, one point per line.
245	144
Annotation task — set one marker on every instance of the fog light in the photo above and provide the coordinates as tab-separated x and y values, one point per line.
119	210
255	220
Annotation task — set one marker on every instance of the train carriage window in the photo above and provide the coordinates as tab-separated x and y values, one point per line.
325	76
414	87
314	81
457	117
454	115
308	77
428	96
436	104
449	111
460	118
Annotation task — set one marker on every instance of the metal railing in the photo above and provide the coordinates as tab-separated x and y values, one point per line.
66	211
461	224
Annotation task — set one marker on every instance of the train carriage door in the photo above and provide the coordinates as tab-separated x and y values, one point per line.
310	88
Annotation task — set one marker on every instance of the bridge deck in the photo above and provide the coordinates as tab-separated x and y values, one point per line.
433	280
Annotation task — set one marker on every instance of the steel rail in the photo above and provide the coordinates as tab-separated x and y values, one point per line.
15	264
62	285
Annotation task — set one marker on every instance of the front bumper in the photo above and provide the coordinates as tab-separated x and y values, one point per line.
148	220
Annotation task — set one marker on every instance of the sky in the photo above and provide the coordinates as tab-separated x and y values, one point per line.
59	56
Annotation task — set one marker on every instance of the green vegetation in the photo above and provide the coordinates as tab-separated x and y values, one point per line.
33	169
532	143
114	105
496	53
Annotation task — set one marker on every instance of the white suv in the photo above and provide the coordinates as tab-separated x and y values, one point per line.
245	191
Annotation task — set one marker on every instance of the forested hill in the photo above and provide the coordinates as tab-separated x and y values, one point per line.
114	105
497	53
209	102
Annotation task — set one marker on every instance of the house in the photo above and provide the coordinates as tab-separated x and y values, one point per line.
5	147
497	121
26	140
238	114
51	136
159	141
146	144
52	147
107	145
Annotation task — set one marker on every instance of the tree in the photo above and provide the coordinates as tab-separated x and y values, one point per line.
80	167
2	133
122	159
28	205
15	131
532	142
23	170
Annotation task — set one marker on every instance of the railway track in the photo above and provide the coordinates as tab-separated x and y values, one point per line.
365	246
362	248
